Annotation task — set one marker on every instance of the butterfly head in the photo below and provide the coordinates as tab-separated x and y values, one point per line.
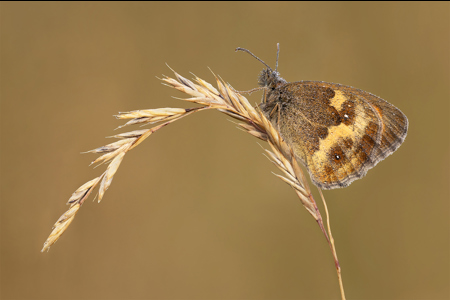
269	79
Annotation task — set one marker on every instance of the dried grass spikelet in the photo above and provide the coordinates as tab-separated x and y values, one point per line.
224	99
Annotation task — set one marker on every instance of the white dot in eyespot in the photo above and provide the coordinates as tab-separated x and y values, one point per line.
337	156
345	116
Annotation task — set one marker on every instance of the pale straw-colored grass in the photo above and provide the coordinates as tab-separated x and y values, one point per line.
224	99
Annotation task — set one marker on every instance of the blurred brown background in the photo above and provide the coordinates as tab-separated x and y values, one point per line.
194	212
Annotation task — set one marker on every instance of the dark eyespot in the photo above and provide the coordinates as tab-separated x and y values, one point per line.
336	154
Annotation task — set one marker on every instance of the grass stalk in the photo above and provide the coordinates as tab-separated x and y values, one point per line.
226	100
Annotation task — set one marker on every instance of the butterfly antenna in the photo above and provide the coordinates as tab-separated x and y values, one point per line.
278	54
245	50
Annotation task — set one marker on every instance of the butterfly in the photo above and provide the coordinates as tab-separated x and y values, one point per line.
336	131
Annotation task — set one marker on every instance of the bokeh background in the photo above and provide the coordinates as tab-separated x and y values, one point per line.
194	212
